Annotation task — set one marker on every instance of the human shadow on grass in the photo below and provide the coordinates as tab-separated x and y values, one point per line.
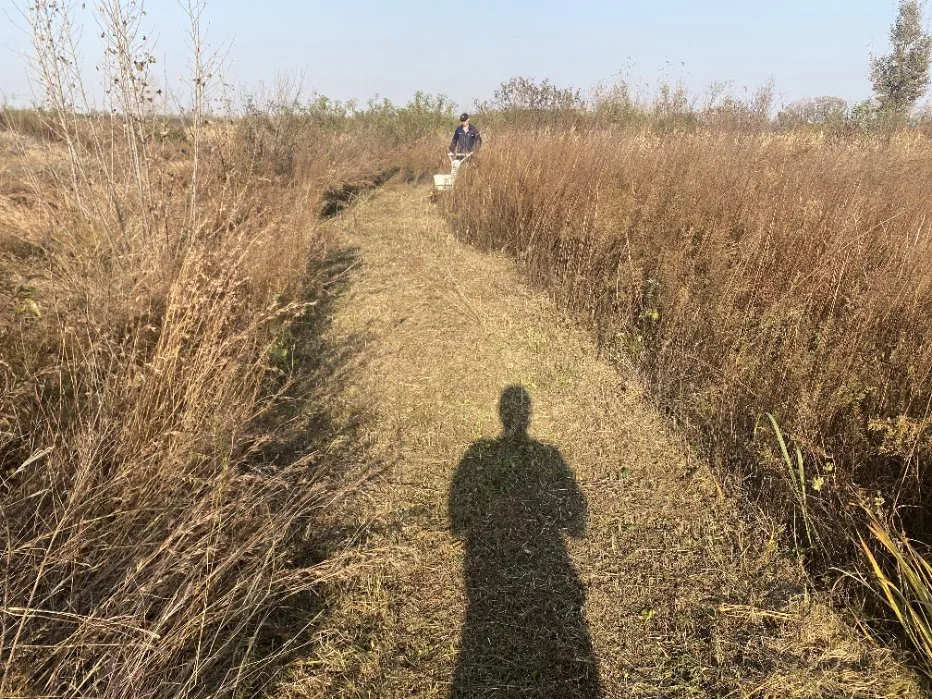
512	501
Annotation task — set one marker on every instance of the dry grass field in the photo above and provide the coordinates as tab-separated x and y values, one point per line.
745	275
232	423
165	422
640	408
593	555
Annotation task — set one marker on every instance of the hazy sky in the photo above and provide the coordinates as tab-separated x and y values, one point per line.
361	48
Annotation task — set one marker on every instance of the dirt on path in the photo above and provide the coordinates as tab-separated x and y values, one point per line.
588	555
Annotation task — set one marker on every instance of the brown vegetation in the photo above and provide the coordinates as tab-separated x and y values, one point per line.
162	478
169	445
462	587
744	275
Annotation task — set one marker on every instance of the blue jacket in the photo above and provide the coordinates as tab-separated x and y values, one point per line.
465	141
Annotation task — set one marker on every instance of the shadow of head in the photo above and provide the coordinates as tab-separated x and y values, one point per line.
514	409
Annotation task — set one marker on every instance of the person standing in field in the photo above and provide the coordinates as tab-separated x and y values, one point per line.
466	139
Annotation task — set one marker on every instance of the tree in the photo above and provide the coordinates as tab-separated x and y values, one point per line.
901	77
829	112
524	94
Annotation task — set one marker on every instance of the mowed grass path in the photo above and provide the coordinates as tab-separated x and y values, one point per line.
592	557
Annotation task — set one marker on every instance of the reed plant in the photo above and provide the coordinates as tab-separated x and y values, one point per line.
743	274
160	534
900	575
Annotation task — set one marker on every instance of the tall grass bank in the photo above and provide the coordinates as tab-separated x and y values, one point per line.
744	274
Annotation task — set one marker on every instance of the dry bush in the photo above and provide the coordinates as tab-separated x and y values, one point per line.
145	543
280	135
744	274
163	485
147	538
28	122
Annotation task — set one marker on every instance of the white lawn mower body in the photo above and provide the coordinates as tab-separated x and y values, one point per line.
444	182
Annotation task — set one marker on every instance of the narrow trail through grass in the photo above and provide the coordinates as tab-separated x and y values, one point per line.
593	556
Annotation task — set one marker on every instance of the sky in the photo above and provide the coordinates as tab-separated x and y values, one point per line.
364	48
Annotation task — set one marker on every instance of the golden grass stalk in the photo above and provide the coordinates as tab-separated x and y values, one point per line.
904	583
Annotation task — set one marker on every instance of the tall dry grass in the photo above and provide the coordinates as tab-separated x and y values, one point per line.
163	485
744	274
146	542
